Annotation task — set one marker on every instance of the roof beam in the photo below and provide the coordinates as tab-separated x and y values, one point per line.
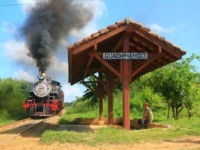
90	82
119	43
138	63
90	60
159	49
144	65
95	92
138	45
117	46
106	64
138	39
157	42
95	69
70	65
99	39
97	78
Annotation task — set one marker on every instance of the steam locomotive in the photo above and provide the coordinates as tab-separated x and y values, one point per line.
45	97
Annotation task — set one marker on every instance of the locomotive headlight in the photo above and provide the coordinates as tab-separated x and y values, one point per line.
41	76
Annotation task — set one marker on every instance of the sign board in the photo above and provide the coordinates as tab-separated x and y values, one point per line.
125	56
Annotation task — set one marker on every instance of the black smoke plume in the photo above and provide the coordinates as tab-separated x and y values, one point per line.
48	22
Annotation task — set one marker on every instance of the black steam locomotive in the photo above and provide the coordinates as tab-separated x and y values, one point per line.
45	97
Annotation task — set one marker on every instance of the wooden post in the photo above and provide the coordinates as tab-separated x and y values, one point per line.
110	87
125	71
100	96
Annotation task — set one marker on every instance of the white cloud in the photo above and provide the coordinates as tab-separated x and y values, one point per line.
86	31
17	51
8	27
63	43
58	69
157	28
21	74
26	4
99	10
71	92
98	7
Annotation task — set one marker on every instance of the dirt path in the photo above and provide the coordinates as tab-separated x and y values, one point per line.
33	143
21	143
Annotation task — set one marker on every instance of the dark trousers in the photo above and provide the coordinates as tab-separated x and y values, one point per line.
143	123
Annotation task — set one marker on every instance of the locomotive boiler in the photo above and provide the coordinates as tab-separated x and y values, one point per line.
45	97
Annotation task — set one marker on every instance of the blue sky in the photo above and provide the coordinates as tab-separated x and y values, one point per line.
176	20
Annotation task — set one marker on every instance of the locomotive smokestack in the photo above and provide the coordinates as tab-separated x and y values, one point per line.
48	22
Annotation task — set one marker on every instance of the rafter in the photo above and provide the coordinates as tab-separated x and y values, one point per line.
144	65
99	39
159	49
90	60
96	69
70	67
95	92
138	45
97	78
156	41
117	46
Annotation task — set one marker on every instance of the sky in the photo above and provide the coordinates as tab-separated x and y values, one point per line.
176	20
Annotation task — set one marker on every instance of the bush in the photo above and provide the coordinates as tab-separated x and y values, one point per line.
12	95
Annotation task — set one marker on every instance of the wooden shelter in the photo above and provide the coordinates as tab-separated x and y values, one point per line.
86	59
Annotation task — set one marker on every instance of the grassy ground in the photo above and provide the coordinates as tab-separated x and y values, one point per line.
179	128
111	136
6	117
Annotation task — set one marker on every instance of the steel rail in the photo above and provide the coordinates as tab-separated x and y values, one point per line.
30	127
24	122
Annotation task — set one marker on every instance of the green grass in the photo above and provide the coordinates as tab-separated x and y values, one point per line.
8	117
114	136
5	117
179	128
4	122
80	110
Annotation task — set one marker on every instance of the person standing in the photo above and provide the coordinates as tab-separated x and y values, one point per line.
147	116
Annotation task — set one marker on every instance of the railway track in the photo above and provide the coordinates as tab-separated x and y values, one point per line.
26	128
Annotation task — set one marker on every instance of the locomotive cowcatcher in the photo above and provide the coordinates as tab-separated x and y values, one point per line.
45	97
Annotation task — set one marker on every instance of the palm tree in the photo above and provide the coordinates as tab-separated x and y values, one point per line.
88	94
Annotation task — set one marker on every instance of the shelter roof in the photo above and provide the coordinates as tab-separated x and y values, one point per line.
111	39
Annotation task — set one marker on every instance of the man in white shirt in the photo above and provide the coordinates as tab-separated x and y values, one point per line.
147	116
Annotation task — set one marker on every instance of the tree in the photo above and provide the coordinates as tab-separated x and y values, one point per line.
12	95
190	97
175	82
142	91
88	94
